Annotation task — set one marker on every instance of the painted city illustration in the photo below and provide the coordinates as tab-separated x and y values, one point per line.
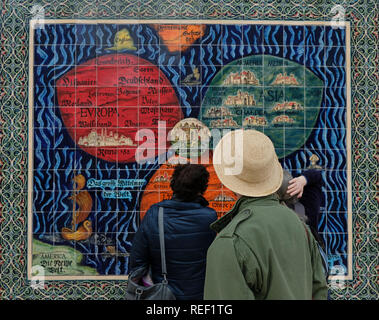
113	101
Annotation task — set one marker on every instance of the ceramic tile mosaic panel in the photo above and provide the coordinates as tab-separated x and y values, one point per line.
96	86
76	89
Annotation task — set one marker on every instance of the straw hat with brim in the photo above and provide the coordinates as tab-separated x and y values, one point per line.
245	162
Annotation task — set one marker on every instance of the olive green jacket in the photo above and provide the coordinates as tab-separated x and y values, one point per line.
262	251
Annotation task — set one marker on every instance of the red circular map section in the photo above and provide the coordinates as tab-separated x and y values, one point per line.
106	100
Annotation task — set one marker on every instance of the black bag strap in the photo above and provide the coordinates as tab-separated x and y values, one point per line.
162	245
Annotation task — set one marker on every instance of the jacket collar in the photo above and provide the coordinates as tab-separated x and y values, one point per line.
199	200
239	206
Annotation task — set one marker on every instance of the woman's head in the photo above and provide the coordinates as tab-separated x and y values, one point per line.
189	180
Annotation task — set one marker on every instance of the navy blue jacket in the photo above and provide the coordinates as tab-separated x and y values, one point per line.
187	238
312	195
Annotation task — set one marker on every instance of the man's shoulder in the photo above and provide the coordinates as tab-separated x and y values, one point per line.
257	221
231	226
253	216
262	213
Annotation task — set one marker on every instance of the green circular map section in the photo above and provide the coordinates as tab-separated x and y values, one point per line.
273	95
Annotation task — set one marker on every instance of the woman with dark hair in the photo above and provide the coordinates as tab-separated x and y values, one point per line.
187	218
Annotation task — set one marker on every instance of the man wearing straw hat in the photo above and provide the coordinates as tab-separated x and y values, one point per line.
262	250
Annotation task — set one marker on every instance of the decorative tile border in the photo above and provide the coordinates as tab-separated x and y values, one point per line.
15	16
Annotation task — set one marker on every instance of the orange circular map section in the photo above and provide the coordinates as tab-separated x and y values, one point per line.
158	189
106	100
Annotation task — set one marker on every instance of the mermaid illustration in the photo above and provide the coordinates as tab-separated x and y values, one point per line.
82	206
